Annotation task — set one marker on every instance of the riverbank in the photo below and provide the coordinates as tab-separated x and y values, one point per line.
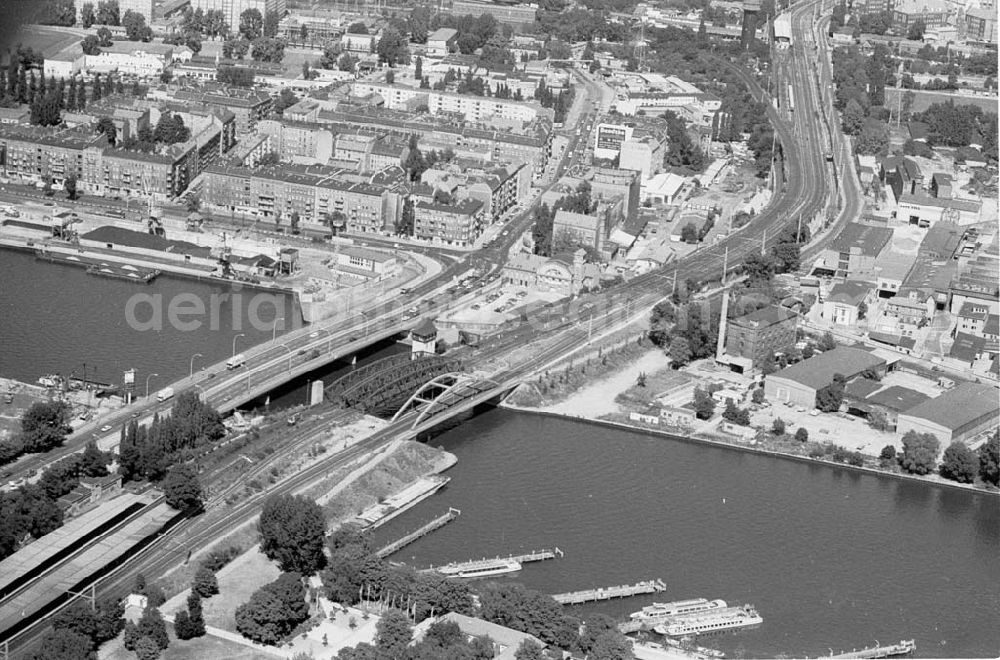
701	438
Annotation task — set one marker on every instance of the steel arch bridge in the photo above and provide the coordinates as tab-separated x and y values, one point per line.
378	387
442	392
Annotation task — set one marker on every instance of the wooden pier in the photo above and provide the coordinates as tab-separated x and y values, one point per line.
904	647
401	543
534	555
607	593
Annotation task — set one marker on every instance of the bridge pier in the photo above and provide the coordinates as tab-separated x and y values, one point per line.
316	393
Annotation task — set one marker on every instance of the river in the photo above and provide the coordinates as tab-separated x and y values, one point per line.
54	318
832	558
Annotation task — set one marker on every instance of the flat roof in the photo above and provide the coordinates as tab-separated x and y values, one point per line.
869	239
42	549
139	239
897	398
960	406
818	371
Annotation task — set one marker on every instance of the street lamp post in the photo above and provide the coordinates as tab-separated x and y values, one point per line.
234	342
285	346
191	370
147	383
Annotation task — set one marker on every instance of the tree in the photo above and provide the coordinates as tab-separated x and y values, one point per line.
829	398
45	425
236	48
853	117
418	67
348	62
63	644
108	14
273	610
70	185
827	342
757	396
735	414
87	15
529	650
78	618
689	233
612	645
182	625
392	48
358	27
91	45
135	26
989	460
270	27
958	463
130	636
268	49
778	427
916	30
94	462
680	351
196	617
151	625
205	583
704	404
251	24
182	489
292	532
393	634
920	452
801	434
146	648
873	138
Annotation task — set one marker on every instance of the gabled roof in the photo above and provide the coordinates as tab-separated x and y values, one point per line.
849	293
967	347
955	408
818	371
897	398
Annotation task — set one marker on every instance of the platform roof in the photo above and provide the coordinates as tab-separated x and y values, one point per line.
108	550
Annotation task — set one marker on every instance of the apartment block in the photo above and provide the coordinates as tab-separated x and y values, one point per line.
458	224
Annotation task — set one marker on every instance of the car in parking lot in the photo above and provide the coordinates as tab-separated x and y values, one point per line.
105	428
522	294
476	307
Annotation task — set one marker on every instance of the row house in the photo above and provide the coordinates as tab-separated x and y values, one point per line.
248	106
314	193
473	108
457	225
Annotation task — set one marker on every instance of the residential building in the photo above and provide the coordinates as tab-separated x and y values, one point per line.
311	27
933	13
957	415
32	154
799	383
440	42
911	306
565	274
249	106
853	254
585	230
981	25
508	14
298	142
844	303
233	9
609	138
473	108
528	142
132	58
644	154
458	224
972	318
359	44
313	192
161	175
609	183
753	338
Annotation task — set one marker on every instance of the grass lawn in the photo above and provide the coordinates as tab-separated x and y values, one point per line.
237	582
203	648
925	99
49	42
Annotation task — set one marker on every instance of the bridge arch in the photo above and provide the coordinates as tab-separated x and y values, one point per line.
378	387
441	392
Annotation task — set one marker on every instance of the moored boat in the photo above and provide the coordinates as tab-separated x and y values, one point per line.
725	619
659	612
